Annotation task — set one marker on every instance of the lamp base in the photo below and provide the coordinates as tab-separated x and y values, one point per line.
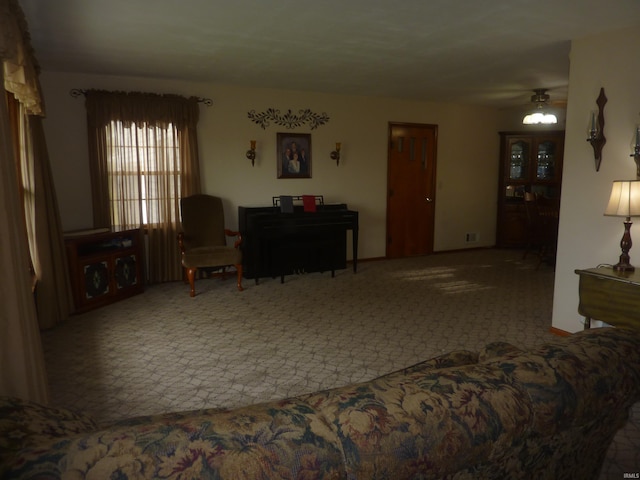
623	264
623	267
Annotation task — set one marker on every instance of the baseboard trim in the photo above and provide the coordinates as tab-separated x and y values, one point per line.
561	333
467	249
438	252
368	259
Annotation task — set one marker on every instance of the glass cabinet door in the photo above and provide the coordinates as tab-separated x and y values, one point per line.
546	160
518	160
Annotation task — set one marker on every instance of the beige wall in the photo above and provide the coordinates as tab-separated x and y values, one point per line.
586	237
466	172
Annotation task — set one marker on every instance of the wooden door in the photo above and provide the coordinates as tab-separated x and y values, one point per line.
411	189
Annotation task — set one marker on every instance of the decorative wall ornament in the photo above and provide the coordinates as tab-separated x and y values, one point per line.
596	129
289	119
635	149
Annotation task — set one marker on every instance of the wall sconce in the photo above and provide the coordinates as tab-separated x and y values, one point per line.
596	129
335	155
251	153
624	202
635	148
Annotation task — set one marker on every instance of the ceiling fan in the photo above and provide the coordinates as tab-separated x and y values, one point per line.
540	115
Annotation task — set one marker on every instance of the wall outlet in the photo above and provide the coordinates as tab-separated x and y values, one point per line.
470	237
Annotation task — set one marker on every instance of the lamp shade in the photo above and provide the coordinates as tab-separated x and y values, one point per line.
625	199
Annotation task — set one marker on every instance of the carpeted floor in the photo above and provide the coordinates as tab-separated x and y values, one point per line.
163	351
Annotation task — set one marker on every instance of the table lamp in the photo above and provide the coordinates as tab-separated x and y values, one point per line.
624	202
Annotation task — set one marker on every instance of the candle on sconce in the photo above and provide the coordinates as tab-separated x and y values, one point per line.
635	146
251	153
335	155
593	130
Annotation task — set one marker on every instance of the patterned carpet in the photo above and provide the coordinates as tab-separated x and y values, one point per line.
164	351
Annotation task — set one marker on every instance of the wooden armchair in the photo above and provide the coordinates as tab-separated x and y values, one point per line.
203	242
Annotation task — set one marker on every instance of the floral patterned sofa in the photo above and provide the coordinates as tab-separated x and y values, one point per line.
549	412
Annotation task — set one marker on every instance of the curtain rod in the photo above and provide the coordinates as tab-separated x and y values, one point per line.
76	92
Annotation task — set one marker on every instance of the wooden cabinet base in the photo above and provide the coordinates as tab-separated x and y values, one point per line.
104	266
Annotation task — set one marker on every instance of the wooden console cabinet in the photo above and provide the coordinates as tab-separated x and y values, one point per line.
610	296
104	266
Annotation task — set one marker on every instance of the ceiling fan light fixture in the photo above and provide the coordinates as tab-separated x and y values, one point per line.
540	116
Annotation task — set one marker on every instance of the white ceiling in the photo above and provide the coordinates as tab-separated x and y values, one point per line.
490	52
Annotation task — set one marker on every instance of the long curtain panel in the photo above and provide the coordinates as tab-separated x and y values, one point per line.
53	297
41	215
22	370
143	158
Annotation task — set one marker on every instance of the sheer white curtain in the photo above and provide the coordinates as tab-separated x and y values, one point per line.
46	242
22	371
42	218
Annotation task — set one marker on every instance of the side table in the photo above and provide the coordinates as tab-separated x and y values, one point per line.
609	296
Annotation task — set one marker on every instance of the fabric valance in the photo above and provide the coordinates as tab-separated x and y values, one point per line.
21	69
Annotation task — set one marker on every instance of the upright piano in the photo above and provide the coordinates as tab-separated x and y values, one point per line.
275	244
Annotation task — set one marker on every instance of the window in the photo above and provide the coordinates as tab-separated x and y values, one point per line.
143	158
143	164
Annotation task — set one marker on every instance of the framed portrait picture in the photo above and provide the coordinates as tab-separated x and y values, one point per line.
294	155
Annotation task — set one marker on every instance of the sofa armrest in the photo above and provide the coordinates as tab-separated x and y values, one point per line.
31	426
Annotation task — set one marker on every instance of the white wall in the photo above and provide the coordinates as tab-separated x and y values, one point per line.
586	237
467	154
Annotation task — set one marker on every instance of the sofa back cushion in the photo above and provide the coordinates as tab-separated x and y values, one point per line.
575	379
430	422
285	439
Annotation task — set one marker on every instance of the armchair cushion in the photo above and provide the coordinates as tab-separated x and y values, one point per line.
211	257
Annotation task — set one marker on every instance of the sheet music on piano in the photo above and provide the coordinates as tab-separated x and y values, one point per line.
286	204
309	203
277	201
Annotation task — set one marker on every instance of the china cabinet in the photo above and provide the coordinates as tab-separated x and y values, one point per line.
529	162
